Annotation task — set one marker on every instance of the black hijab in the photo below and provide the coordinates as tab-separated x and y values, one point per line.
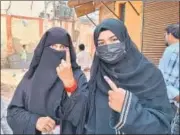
133	73
46	89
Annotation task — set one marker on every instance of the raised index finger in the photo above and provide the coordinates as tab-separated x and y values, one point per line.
68	57
111	83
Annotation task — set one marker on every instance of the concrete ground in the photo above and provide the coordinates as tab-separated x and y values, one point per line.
10	78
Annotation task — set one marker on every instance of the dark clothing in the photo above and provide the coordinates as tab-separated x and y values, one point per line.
146	109
102	117
41	93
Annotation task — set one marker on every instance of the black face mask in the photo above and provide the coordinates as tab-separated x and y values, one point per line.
51	58
111	53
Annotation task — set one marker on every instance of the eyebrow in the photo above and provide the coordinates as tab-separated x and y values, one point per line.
113	36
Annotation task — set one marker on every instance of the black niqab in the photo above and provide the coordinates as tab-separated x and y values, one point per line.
45	86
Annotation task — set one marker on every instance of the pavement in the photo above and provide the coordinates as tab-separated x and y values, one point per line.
10	78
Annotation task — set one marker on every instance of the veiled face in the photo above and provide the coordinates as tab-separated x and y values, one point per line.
106	38
58	47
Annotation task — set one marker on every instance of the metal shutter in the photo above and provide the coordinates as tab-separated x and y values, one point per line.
157	15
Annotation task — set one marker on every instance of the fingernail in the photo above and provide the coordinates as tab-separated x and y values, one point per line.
106	78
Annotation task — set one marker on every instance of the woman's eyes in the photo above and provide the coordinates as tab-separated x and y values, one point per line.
62	47
114	39
101	43
110	41
58	47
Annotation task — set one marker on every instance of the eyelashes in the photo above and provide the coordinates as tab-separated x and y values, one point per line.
114	40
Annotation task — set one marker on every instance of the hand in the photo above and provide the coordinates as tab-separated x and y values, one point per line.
64	70
45	124
116	96
177	98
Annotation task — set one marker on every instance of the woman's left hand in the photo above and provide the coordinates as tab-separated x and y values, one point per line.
64	71
116	96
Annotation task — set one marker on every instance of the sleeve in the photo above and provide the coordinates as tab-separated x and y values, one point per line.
19	119
138	119
73	108
163	60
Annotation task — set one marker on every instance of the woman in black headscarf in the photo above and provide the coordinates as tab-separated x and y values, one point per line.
127	92
53	92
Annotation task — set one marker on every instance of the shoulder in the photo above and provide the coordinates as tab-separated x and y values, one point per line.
80	53
22	86
172	48
24	80
176	48
169	50
85	52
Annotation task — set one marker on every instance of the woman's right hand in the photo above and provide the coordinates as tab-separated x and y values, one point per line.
45	124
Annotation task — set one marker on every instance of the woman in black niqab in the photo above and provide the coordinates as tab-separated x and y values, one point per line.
42	93
145	108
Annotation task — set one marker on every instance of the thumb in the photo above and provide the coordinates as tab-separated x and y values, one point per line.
57	69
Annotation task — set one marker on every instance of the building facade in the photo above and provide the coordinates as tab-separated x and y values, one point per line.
145	21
